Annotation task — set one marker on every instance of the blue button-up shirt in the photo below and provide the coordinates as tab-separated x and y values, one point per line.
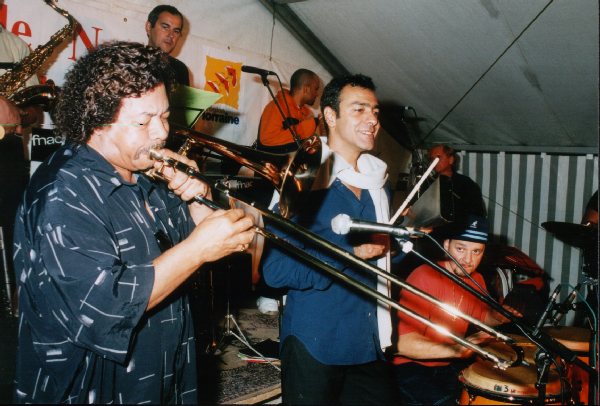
336	323
84	245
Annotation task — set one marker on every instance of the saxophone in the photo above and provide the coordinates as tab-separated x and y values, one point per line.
13	80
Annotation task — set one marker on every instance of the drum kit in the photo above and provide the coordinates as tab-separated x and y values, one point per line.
581	236
567	383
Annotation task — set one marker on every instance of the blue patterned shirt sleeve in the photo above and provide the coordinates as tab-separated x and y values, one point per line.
84	246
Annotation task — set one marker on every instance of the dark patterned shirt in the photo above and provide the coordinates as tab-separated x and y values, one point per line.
84	245
180	70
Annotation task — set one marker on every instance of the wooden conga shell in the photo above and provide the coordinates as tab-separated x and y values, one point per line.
574	338
578	340
486	385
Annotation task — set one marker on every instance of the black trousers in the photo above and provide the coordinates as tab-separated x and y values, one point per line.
306	381
422	385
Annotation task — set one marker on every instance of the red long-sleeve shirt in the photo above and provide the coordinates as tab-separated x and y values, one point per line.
431	281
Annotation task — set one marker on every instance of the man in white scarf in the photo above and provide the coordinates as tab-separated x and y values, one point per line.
332	336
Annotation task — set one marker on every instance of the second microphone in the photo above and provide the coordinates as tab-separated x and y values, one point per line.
343	224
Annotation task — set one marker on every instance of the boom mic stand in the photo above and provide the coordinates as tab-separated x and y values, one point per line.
225	334
287	120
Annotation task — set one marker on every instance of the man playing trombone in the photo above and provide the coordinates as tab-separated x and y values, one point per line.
332	336
100	250
427	363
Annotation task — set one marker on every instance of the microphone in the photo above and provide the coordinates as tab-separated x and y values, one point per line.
563	308
551	303
343	224
258	71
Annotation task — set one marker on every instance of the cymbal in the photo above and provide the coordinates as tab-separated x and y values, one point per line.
576	235
503	255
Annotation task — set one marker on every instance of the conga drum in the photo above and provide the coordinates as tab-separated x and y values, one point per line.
577	340
503	350
486	385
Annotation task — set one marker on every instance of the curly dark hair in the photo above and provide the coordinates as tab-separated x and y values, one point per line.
333	90
98	82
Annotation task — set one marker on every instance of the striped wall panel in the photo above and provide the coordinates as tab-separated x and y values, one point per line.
522	191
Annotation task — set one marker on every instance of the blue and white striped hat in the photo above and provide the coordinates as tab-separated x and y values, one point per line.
472	228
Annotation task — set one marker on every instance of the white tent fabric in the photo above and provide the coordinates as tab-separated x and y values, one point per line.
446	59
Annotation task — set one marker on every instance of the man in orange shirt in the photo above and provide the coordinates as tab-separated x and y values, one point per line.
274	133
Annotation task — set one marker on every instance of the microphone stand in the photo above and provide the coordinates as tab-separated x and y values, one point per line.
564	307
542	363
6	296
538	337
549	308
416	169
286	120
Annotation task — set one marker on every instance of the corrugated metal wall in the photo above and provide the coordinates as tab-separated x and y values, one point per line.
521	191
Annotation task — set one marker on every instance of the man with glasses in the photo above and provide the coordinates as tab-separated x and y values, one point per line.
164	28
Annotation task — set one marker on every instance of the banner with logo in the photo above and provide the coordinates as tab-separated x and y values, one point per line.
234	117
219	37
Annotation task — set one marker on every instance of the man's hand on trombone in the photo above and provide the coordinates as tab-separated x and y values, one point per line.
226	231
184	186
216	235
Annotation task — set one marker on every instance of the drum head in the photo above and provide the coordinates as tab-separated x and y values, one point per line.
516	381
503	350
574	338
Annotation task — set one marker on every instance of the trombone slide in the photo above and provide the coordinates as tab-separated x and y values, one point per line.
346	256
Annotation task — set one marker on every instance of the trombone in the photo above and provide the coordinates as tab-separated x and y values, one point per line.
293	175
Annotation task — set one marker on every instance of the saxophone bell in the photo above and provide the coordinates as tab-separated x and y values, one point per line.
37	95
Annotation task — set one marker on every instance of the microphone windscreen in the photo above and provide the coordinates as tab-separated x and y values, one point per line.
340	224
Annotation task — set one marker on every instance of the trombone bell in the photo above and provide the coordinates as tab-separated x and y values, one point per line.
292	174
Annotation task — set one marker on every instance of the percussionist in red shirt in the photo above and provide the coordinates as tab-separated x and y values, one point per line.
426	363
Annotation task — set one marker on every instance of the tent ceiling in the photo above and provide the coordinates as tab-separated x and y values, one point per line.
481	74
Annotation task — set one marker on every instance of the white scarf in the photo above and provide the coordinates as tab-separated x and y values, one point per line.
372	177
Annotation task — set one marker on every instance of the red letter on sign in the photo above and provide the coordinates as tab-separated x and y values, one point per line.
17	25
3	8
79	31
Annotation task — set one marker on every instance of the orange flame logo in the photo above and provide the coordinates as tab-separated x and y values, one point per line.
223	77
